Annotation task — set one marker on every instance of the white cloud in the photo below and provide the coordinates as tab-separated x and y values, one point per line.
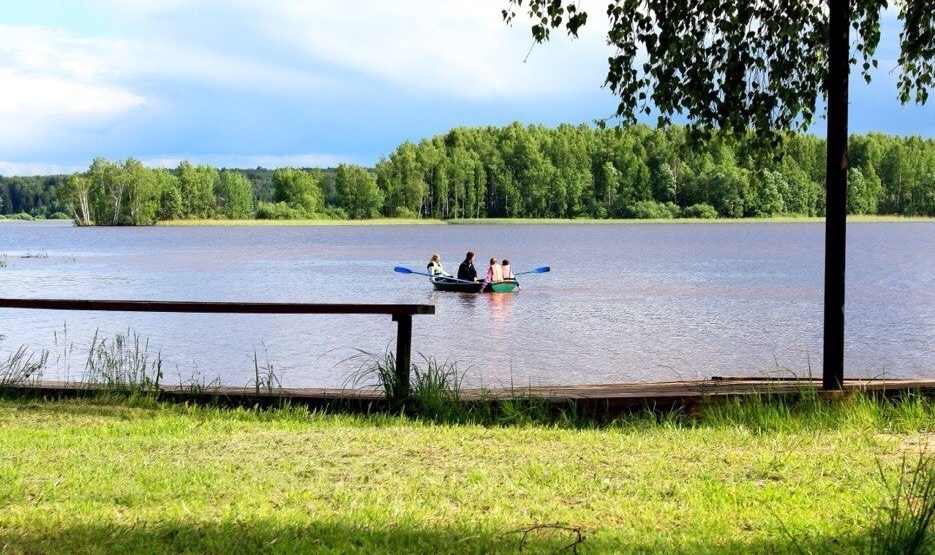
97	88
52	81
459	48
455	47
51	96
56	84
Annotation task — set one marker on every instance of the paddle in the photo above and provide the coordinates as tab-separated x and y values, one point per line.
539	270
404	270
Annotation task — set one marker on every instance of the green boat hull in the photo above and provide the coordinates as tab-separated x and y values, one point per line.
458	286
507	286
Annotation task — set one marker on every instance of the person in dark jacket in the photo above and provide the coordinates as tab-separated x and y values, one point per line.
466	270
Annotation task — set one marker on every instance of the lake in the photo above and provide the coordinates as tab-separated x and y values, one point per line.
622	303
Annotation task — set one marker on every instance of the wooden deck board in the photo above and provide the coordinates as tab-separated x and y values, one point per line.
609	398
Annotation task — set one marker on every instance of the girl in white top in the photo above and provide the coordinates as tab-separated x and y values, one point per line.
507	270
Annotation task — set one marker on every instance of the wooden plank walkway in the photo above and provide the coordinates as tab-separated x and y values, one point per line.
607	399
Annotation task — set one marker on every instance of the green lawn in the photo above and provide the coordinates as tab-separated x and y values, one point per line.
113	477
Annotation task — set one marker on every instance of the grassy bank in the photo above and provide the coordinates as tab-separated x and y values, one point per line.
776	219
523	221
233	223
140	477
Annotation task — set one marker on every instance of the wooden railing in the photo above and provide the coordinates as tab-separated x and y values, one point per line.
401	313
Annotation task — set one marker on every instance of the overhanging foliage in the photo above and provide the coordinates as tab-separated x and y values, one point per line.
736	64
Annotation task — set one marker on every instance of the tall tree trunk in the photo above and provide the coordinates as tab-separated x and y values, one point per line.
836	187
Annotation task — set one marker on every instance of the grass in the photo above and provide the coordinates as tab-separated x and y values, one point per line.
265	378
436	394
130	474
22	369
143	477
122	364
906	520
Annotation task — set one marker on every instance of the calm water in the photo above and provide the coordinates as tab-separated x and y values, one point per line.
622	302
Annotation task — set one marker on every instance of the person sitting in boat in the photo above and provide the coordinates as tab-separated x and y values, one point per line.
466	271
435	266
508	272
494	273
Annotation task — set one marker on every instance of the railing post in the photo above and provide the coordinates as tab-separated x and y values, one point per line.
403	356
836	192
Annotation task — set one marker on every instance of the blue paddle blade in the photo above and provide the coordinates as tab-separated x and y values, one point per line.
539	270
402	270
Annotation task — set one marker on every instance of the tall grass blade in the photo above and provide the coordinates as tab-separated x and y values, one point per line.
122	364
22	368
265	378
905	525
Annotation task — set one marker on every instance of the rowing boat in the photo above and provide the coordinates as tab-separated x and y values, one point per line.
450	283
461	286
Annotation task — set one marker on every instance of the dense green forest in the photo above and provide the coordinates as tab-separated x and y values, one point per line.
514	171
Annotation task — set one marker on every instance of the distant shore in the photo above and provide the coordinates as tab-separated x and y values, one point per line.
302	222
531	221
503	221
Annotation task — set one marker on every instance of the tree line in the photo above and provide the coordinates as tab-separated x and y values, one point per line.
638	172
514	171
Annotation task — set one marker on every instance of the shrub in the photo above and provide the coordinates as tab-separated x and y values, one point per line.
652	210
278	211
328	213
702	211
406	213
335	213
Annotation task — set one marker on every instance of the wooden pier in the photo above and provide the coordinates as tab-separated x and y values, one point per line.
602	399
402	314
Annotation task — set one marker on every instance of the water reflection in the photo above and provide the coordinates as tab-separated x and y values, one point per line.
467	301
501	306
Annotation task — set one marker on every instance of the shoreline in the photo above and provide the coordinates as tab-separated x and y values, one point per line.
493	221
533	221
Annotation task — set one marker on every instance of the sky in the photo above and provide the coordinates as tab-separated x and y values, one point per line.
306	83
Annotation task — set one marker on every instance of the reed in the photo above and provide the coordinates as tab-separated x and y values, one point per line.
373	372
199	385
265	379
122	364
22	369
905	522
436	391
437	396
